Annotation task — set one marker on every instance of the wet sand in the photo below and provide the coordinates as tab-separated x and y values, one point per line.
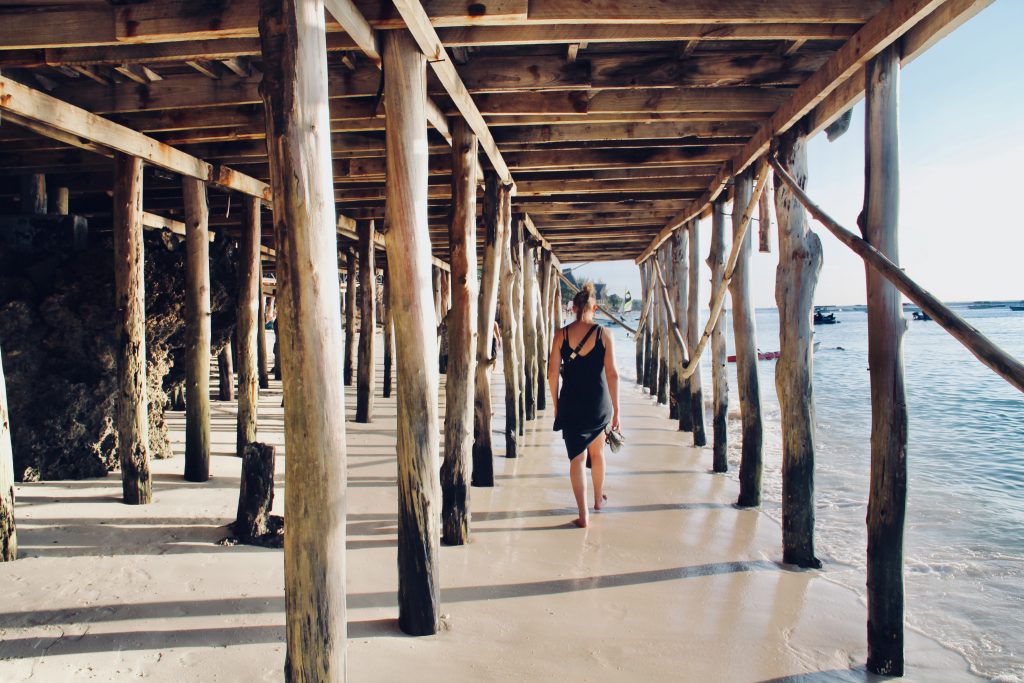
670	582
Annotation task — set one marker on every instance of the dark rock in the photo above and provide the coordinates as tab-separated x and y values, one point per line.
57	337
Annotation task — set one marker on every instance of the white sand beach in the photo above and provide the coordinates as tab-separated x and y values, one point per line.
671	582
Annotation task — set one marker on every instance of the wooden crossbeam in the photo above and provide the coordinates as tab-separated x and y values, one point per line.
71	120
418	23
886	27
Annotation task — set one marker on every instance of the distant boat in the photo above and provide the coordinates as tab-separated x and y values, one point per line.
1016	307
821	318
761	355
921	315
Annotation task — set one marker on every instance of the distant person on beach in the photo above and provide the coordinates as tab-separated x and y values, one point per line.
589	400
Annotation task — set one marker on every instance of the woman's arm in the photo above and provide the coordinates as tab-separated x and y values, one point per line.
611	372
554	363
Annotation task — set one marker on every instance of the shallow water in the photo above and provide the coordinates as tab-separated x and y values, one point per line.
964	543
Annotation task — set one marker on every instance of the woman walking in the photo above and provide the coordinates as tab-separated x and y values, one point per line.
588	403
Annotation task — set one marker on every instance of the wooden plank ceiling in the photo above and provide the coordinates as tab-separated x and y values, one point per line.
611	115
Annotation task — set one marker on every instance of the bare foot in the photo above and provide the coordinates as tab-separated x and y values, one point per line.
598	504
581	522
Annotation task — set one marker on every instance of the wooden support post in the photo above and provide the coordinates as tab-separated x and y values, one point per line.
653	358
389	337
887	500
130	307
509	330
663	339
365	380
8	530
764	224
719	376
462	348
680	269
409	254
666	256
495	246
652	307
530	330
295	93
256	492
639	338
544	333
261	334
443	300
247	315
556	294
435	283
518	256
33	194
351	277
745	335
696	407
59	201
197	331
795	279
225	374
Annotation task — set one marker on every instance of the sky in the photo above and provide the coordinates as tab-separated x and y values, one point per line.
961	143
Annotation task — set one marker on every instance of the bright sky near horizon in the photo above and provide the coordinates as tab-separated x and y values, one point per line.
961	138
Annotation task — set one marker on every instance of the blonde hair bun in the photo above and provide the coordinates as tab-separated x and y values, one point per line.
583	298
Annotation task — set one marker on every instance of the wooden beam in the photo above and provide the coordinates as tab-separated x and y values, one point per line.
696	407
351	346
462	347
886	27
309	327
408	250
69	119
418	23
130	304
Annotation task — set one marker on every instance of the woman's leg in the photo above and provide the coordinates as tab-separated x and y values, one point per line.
578	477
596	451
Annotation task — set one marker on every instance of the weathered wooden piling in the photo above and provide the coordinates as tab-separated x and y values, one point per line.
679	266
130	307
530	329
247	316
261	335
8	528
719	377
745	335
764	224
225	374
654	358
496	196
309	313
663	337
351	343
197	331
409	251
887	500
256	492
462	348
389	337
696	407
59	201
509	334
642	328
547	280
33	194
518	257
366	373
795	280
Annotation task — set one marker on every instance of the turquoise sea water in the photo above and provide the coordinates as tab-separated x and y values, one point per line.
964	543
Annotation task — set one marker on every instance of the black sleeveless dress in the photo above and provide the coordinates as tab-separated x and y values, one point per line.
584	404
